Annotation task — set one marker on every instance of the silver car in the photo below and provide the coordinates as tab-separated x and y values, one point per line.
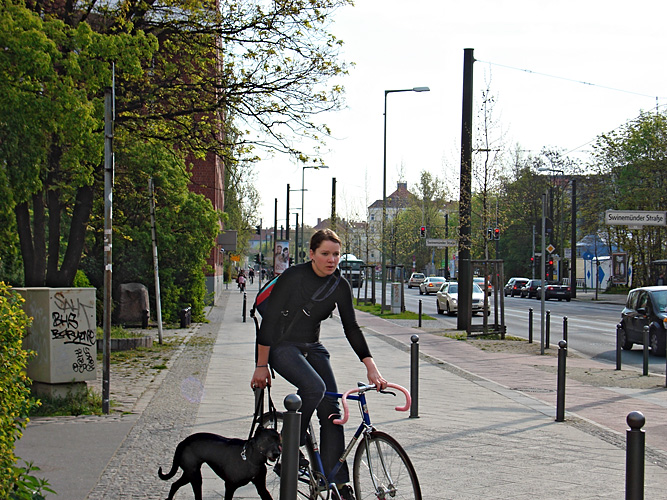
447	299
416	279
431	285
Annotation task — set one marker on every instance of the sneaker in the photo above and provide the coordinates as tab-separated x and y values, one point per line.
346	492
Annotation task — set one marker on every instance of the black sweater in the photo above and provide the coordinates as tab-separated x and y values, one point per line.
292	292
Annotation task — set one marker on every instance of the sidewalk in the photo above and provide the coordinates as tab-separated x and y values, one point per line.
486	424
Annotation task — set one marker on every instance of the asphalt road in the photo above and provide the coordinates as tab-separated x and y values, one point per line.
591	326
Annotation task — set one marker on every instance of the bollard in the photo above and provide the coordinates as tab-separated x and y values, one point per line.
414	376
645	364
618	346
565	330
634	456
420	313
185	316
560	388
547	328
245	300
530	325
289	471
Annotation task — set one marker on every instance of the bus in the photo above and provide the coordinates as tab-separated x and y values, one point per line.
351	269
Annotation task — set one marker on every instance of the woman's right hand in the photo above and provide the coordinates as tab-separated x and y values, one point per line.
261	378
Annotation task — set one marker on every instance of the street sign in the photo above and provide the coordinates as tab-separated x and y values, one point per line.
551	248
635	218
433	242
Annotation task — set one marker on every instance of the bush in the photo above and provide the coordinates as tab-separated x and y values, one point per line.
15	399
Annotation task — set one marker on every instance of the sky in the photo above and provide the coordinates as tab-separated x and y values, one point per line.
561	73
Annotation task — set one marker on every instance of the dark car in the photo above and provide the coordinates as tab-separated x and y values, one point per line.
514	286
645	306
529	290
555	291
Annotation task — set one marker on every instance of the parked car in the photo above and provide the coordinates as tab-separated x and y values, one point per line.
416	279
514	286
431	285
529	290
555	291
645	306
447	298
480	282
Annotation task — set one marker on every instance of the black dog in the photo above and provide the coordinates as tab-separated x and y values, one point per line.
223	456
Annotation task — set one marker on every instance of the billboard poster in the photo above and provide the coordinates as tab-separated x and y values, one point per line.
281	257
619	272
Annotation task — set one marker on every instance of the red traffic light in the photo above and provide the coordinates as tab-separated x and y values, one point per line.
551	262
422	231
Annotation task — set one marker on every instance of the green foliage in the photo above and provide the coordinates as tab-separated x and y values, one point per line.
81	280
186	226
15	399
631	168
28	487
88	402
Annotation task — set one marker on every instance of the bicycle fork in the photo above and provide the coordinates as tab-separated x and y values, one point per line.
382	492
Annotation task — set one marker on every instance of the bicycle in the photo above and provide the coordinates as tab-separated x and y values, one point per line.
381	468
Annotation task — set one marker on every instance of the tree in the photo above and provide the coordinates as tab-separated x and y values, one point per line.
633	162
52	75
186	75
425	207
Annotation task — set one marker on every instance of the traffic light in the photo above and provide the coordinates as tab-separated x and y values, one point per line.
489	234
258	230
257	259
496	234
422	231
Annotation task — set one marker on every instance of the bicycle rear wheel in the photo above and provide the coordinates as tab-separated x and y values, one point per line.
382	470
308	479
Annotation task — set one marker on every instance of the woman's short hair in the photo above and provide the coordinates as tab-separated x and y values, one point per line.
323	235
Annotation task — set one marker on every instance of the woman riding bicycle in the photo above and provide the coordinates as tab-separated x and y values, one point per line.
299	357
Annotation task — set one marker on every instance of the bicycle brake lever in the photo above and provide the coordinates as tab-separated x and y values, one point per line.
388	392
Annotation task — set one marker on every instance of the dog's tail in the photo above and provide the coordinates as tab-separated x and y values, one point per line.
174	465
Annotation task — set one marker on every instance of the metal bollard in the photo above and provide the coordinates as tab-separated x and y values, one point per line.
530	325
245	300
634	456
645	364
618	346
547	329
414	376
289	472
565	330
420	313
560	388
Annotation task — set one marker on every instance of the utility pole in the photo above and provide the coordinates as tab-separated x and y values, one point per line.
108	224
465	210
158	304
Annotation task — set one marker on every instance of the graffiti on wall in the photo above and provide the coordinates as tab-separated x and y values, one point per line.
73	322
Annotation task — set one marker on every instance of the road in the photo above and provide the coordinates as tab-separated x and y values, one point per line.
591	325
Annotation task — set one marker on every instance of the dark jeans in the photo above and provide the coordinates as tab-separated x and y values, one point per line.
307	366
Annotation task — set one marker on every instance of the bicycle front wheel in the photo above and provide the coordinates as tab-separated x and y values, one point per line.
383	471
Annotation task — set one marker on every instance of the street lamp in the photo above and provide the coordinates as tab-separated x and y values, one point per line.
303	171
384	190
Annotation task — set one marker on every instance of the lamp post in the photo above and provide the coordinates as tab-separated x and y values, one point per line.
303	171
384	190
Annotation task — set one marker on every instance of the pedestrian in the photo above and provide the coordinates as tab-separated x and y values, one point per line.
251	275
661	279
297	354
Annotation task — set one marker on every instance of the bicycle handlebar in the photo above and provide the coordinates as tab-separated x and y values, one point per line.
346	411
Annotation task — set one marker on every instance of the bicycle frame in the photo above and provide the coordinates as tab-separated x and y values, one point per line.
364	428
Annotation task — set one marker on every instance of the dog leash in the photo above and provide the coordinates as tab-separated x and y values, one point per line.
256	419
